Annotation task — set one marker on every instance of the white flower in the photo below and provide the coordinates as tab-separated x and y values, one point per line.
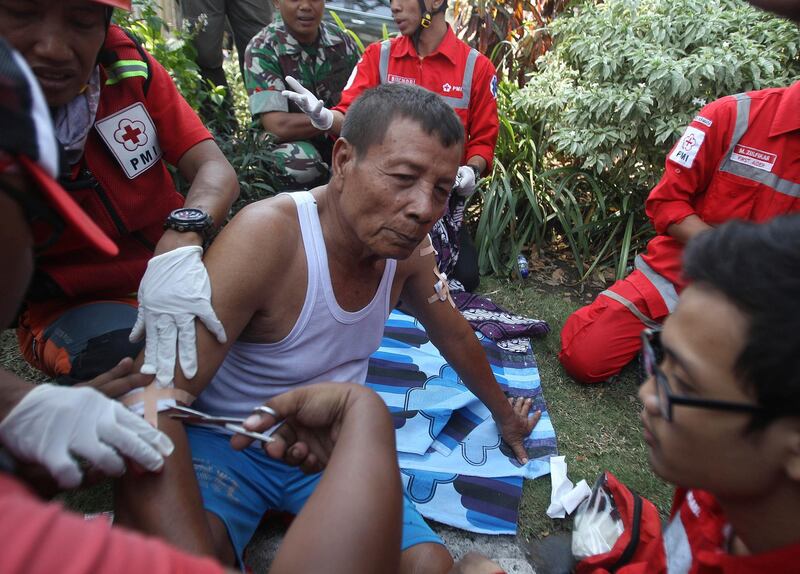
700	102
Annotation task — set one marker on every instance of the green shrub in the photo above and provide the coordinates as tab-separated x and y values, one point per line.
529	202
625	76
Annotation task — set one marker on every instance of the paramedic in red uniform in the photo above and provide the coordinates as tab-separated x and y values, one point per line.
119	121
429	55
738	159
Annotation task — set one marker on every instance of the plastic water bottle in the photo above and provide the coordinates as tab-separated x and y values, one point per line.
522	266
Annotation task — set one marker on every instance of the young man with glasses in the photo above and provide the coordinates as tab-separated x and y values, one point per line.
721	399
721	412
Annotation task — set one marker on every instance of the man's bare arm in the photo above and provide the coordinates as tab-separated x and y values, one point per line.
239	266
355	431
454	338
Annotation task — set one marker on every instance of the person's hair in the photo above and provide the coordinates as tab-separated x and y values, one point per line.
368	119
757	267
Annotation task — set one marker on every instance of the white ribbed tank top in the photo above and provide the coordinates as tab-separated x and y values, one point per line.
326	343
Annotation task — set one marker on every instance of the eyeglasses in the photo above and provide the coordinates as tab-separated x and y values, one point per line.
652	355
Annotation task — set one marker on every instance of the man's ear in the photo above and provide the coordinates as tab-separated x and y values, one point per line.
342	157
436	5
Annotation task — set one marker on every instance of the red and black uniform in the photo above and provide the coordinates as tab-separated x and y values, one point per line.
697	541
122	182
464	77
738	159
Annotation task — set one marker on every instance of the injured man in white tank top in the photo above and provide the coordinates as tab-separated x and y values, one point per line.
303	284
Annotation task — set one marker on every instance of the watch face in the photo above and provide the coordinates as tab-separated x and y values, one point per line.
189	214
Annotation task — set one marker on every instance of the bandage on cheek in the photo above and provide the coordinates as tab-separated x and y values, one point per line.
153	399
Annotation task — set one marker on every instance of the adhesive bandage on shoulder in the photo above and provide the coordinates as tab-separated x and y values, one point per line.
153	399
427	247
441	288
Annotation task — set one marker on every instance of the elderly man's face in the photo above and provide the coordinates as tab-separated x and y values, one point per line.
60	39
395	192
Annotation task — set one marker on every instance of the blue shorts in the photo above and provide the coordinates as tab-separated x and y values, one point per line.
240	486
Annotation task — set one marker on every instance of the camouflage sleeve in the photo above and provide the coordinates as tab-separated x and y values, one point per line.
263	76
353	53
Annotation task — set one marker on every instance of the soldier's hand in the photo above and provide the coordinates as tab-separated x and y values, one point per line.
320	116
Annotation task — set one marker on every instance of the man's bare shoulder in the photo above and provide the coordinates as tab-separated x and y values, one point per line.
261	234
270	222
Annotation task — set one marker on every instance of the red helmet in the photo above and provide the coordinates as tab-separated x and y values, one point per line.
122	4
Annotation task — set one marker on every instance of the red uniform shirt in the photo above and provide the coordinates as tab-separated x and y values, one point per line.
697	536
136	191
43	537
738	159
445	72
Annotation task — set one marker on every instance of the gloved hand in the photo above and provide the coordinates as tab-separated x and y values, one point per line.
50	424
174	290
320	116
466	180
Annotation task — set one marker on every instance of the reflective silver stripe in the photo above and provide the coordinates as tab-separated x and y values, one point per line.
466	82
769	179
648	322
677	549
462	103
383	66
664	286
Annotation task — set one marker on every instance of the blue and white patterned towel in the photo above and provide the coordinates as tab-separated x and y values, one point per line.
454	465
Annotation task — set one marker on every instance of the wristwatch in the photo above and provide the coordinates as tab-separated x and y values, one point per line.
191	219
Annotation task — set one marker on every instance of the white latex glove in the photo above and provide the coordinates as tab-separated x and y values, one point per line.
174	290
51	424
465	181
320	116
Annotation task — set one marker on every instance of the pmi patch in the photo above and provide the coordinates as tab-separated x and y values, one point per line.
132	139
687	147
702	120
493	87
753	157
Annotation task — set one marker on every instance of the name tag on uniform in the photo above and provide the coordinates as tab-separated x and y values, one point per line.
687	147
132	139
395	79
754	157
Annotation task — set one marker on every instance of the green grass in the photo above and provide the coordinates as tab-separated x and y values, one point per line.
597	426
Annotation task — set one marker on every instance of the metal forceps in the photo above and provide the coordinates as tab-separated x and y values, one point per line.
233	424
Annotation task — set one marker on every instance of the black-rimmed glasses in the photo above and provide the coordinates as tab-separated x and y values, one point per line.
652	352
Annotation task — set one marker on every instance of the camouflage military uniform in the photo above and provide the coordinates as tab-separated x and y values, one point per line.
323	68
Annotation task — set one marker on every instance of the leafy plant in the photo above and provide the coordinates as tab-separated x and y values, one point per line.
512	33
627	75
172	48
529	203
